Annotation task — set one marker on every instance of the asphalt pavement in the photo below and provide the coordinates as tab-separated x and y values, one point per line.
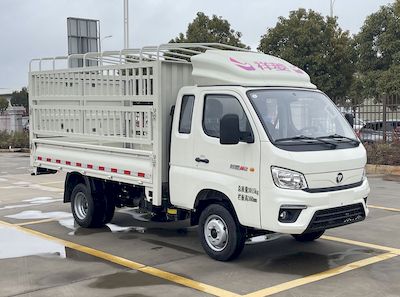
44	253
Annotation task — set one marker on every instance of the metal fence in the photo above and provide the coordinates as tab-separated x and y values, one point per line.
375	119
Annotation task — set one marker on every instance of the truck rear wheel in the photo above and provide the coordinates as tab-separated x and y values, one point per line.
308	236
88	212
220	233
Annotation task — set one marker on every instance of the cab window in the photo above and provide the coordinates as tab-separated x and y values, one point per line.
185	119
215	107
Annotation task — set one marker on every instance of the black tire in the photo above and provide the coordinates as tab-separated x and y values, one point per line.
93	213
308	236
235	237
110	209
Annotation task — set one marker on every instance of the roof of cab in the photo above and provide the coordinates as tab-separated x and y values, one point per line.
225	67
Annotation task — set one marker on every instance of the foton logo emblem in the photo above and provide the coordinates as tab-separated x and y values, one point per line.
339	178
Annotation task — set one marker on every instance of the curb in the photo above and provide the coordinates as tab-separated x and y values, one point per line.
383	169
24	150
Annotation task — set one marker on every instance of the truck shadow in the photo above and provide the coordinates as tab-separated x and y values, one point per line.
283	255
286	256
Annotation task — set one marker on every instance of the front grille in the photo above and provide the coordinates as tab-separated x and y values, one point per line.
335	217
331	189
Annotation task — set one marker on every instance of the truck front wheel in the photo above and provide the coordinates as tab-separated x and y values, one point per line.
88	212
220	233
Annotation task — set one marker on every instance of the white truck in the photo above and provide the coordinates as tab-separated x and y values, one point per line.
239	142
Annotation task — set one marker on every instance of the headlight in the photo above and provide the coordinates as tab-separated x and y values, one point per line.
288	179
364	175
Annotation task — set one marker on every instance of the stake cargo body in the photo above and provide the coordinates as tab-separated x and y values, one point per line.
109	122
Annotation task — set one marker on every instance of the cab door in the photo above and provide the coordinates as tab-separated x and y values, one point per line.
182	171
230	169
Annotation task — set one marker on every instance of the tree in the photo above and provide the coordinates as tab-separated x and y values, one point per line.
378	51
215	29
20	98
3	103
315	44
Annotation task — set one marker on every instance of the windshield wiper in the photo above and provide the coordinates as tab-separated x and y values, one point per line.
333	136
303	137
299	137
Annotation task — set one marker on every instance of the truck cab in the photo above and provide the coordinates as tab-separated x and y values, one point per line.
284	159
239	142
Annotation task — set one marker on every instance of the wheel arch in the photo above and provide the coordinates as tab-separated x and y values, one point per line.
74	178
210	196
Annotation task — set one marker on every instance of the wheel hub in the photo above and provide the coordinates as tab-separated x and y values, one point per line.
81	205
216	233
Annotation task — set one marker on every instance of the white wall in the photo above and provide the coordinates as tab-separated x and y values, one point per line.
11	119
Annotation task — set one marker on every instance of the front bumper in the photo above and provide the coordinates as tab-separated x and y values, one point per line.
336	217
317	203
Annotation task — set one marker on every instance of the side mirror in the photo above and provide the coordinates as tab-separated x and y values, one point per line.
350	118
229	129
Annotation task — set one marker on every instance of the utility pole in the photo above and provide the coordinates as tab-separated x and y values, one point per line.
126	24
332	3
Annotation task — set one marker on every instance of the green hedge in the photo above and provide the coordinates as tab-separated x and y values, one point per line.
383	153
15	140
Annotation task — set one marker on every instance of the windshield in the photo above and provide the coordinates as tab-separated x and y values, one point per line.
299	115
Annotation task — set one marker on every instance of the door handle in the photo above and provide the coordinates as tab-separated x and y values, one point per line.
202	160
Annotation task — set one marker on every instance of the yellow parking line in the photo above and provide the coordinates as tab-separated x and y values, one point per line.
384	208
130	264
39	221
363	244
320	276
390	253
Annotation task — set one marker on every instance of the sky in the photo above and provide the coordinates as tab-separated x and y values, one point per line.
37	28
